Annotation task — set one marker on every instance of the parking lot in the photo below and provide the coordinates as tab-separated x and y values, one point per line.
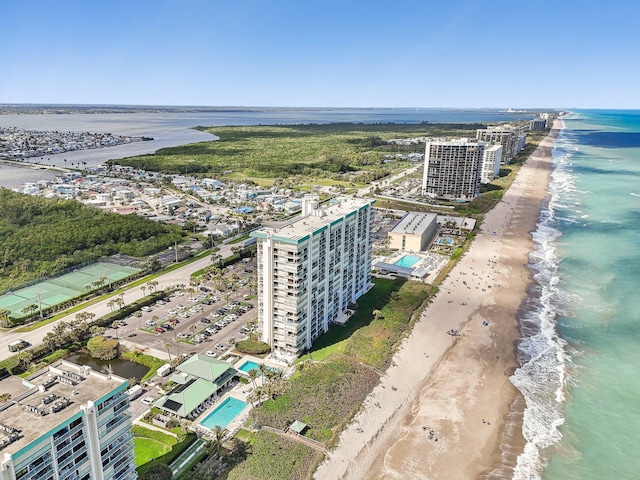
200	319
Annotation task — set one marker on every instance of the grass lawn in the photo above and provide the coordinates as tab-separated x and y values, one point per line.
147	449
151	444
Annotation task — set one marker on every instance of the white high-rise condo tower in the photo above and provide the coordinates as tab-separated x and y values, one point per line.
311	269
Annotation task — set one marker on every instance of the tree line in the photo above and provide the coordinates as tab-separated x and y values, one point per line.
41	236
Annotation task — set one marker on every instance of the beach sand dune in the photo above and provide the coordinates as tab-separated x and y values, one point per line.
446	408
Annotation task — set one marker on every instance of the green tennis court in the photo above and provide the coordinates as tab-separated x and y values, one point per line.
60	289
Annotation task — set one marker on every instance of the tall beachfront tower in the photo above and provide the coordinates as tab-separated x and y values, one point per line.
66	422
452	169
510	137
491	161
311	269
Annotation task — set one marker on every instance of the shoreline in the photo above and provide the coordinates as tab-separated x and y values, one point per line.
446	408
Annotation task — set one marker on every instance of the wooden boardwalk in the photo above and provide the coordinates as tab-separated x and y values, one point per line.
292	435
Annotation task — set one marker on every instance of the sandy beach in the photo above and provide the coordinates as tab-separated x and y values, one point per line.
445	408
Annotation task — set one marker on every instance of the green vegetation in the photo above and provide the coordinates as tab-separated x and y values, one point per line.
168	448
239	239
158	471
103	348
150	444
147	360
279	459
326	394
40	236
331	151
336	339
252	347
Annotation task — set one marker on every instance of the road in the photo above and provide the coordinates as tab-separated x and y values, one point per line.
178	276
386	181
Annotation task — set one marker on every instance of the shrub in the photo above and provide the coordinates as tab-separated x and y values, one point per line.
103	348
254	347
157	472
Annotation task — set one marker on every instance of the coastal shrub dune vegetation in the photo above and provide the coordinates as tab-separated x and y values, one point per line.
40	236
326	394
280	151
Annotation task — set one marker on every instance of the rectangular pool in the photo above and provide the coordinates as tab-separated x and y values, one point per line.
224	413
249	365
407	261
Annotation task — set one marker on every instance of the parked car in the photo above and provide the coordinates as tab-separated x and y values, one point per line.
151	323
209	353
146	308
205	320
147	400
183	315
172	312
160	330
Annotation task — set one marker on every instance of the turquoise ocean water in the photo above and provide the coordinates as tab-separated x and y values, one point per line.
580	354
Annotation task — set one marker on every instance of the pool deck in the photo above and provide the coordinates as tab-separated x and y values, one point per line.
240	391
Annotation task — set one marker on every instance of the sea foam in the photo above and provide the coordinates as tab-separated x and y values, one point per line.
542	376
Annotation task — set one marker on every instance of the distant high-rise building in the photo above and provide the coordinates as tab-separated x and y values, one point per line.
510	137
311	269
538	124
491	160
66	422
452	169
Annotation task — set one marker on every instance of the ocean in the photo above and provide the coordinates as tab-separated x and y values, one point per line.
171	128
580	354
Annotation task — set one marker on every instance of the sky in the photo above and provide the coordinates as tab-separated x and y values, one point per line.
311	53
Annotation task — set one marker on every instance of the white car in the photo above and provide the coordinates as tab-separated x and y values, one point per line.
147	400
183	315
151	323
146	308
172	312
209	353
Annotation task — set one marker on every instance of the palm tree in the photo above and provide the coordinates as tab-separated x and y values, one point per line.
192	329
111	304
167	347
144	290
253	397
24	359
253	374
115	325
218	434
29	310
4	317
177	343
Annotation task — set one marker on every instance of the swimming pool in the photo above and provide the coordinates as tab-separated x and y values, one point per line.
224	413
407	261
249	365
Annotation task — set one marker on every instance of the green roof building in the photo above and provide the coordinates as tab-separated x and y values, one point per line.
198	380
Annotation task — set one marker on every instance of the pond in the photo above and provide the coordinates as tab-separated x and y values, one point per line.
121	367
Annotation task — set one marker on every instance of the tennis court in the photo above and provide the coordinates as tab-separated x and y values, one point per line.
60	289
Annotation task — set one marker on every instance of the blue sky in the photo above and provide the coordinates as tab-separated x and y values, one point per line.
302	53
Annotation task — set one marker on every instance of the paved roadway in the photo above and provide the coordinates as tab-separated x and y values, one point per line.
386	181
180	275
